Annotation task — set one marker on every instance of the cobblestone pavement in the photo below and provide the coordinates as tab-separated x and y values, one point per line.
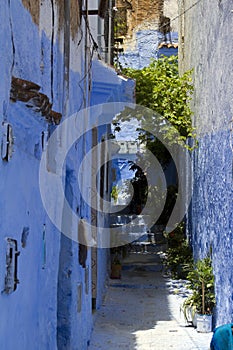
142	311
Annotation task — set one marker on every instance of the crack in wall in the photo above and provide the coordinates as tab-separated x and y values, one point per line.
12	38
52	48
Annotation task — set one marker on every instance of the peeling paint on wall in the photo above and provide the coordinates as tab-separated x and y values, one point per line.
48	268
75	15
33	6
27	92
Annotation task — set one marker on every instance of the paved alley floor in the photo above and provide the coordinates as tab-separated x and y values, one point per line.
142	311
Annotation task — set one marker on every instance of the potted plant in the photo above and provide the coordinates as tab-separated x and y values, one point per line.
202	299
189	310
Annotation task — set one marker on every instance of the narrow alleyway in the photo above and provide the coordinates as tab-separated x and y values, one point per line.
141	311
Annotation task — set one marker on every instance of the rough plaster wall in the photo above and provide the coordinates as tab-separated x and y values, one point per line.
30	313
33	6
142	41
145	12
147	42
34	50
75	17
207	48
144	16
170	9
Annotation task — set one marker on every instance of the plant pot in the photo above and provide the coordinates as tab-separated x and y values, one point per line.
115	271
194	319
192	315
187	313
204	323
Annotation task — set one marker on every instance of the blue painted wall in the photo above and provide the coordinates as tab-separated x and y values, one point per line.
146	48
30	313
43	312
211	215
207	38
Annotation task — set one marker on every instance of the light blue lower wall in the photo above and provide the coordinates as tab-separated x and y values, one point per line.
211	215
30	313
103	267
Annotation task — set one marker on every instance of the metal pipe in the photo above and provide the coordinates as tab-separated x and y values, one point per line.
109	32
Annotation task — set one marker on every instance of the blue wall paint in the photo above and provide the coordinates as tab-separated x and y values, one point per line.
42	312
211	214
146	49
206	40
30	312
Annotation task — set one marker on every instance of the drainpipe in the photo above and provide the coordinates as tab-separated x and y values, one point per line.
109	32
99	35
86	94
66	58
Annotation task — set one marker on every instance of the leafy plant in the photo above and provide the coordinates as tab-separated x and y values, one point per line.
120	22
176	237
201	282
160	88
179	260
189	308
115	193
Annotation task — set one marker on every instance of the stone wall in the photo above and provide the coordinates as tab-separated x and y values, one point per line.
146	26
144	15
206	30
140	13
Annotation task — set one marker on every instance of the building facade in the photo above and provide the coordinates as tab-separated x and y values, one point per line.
50	284
145	30
205	46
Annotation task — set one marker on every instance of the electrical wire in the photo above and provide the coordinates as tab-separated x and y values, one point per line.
96	48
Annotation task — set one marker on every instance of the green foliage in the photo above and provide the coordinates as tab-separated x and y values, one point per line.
115	193
120	22
201	282
160	88
189	308
179	260
177	236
